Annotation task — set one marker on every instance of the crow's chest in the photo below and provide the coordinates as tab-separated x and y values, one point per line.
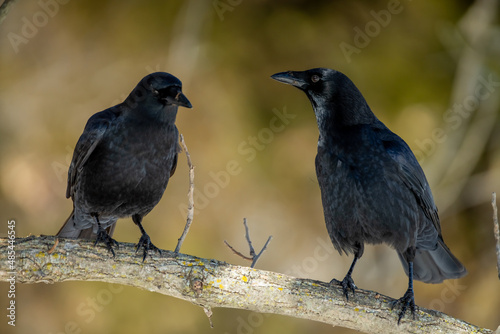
138	158
355	165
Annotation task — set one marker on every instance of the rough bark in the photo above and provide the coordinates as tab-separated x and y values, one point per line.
211	283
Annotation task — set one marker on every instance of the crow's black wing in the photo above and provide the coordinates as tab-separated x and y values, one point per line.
90	138
410	172
178	150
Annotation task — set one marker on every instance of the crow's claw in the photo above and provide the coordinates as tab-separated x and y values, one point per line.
147	245
407	301
103	236
348	284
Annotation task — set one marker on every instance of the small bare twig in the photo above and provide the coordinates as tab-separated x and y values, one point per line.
238	253
253	257
496	229
209	313
261	251
190	212
51	250
4	9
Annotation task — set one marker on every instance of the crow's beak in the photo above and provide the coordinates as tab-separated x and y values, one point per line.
180	100
289	78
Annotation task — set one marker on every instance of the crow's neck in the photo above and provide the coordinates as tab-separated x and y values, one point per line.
336	119
166	115
158	114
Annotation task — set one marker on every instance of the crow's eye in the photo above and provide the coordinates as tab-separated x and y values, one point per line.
315	78
167	92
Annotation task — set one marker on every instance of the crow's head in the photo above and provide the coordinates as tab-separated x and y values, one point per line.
160	88
319	84
332	94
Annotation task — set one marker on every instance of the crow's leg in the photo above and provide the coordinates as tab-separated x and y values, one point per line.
144	241
408	299
348	283
103	236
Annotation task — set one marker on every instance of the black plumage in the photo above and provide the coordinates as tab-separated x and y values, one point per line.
373	189
123	161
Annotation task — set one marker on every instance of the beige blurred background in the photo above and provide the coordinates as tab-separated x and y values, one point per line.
413	60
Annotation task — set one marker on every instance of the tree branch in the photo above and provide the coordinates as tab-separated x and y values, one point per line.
211	283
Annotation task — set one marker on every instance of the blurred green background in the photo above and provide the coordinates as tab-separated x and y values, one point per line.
413	60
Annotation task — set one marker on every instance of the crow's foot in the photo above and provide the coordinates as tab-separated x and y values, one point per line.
347	284
407	301
103	236
147	245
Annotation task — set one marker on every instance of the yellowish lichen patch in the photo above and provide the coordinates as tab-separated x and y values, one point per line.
356	309
314	284
189	264
244	278
49	266
221	286
150	278
281	289
40	254
55	256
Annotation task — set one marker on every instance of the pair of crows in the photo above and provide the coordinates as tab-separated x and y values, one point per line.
372	187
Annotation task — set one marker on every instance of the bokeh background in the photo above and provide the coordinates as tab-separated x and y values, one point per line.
62	61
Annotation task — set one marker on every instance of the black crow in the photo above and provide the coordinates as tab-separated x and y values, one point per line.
372	187
123	161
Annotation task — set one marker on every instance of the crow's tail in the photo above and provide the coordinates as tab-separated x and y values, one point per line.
70	229
434	266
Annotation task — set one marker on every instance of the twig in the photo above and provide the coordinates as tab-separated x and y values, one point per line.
210	283
496	228
253	257
209	313
238	253
261	251
50	251
247	236
190	212
4	9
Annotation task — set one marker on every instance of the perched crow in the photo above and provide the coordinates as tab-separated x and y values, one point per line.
372	188
123	161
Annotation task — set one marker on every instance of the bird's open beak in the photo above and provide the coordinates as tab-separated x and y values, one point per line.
180	100
289	78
